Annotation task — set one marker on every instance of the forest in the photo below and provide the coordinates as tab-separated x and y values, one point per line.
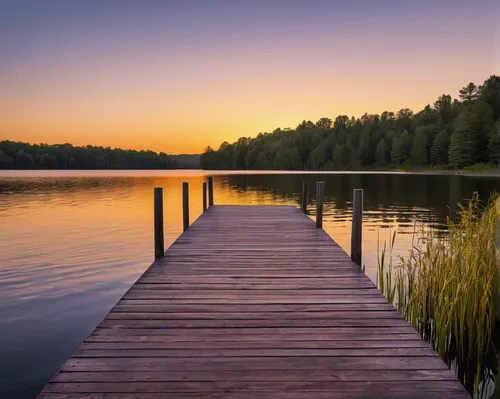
449	134
17	155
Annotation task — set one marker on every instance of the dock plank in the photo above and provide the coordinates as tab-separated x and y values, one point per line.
254	302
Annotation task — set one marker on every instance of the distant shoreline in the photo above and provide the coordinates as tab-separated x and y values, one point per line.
208	172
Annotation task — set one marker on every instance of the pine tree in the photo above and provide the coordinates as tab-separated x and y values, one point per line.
396	152
469	92
406	141
364	147
419	148
489	92
439	149
460	154
380	153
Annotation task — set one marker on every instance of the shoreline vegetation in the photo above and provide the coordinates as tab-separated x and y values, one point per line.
450	134
447	287
26	156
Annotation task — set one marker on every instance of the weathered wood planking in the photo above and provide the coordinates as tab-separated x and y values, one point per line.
254	302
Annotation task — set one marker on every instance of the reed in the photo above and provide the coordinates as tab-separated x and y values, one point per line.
447	288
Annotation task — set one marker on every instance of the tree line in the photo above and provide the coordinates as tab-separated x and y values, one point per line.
17	155
450	133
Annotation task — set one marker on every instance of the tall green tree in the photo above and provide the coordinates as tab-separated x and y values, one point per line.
400	149
419	147
324	123
396	152
489	92
461	143
439	149
469	92
381	153
364	147
472	128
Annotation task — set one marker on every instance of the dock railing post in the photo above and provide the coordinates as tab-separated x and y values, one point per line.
204	196
303	199
210	191
158	222
320	190
357	226
185	205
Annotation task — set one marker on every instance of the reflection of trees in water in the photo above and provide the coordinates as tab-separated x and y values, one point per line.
405	197
48	189
63	184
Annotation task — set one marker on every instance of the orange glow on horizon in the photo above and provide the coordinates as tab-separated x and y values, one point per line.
179	91
156	128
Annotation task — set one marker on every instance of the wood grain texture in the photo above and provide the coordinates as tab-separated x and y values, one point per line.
254	302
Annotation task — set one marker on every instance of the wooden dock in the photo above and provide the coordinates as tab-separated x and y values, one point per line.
254	302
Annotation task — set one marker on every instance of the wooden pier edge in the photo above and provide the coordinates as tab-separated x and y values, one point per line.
275	309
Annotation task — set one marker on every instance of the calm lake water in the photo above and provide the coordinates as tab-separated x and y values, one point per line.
72	242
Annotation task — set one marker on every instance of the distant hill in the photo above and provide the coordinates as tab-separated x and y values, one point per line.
186	161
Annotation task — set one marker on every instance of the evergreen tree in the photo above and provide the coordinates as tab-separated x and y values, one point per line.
439	149
381	153
469	92
473	124
460	145
400	149
419	148
364	147
489	92
406	141
396	152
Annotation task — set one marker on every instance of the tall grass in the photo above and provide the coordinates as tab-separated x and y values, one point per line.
447	288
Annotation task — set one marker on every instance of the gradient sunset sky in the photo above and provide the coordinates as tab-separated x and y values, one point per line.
176	76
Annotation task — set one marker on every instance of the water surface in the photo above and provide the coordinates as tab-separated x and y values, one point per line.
72	242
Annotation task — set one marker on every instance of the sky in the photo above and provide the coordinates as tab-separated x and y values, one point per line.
176	76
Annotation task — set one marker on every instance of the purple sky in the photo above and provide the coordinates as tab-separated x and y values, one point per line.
176	76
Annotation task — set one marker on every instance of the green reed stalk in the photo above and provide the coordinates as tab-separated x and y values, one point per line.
447	288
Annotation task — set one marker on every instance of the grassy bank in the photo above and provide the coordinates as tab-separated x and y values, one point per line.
447	288
476	168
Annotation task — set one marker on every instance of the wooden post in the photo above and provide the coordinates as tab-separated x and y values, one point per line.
185	205
204	196
303	200
357	226
320	190
210	191
158	222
